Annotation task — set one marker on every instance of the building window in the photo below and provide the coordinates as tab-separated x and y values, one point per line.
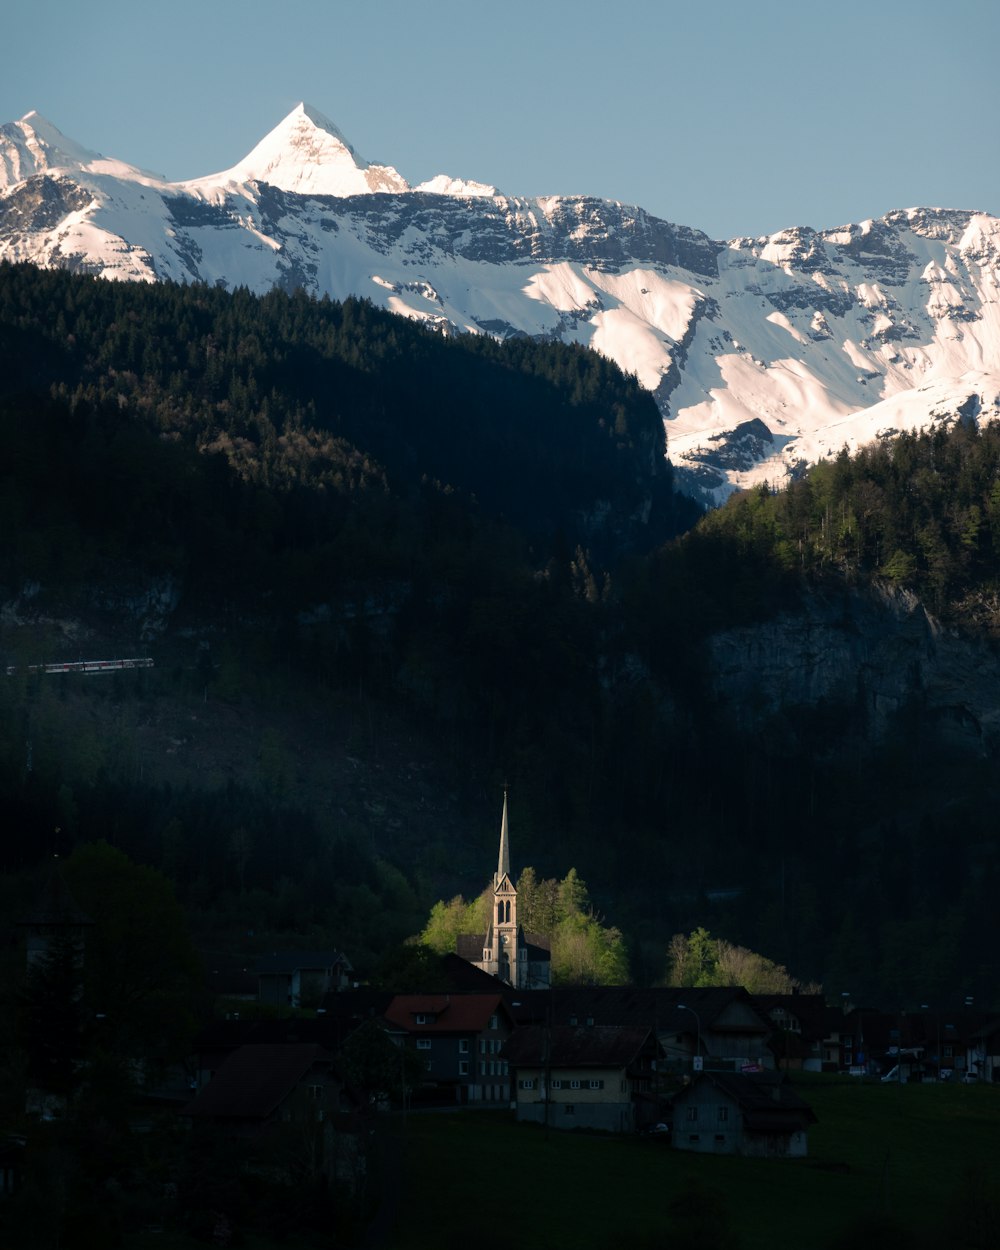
504	1068
486	953
572	1022
316	1093
590	1021
493	1067
423	1043
527	1083
463	1045
570	1109
723	1113
596	1084
556	1084
574	1084
482	1067
493	1022
482	1045
463	1067
420	1018
692	1113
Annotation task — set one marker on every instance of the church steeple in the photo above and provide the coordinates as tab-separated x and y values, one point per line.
508	953
503	863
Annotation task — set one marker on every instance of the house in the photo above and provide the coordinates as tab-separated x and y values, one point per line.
54	922
719	1027
984	1051
595	1077
301	978
506	951
12	1151
737	1113
263	1083
460	1038
801	1023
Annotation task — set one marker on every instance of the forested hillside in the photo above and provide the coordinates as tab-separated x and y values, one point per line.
381	572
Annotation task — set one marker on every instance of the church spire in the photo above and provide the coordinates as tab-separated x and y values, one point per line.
503	863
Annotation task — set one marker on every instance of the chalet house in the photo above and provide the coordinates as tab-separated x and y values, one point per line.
260	1084
301	978
597	1077
12	1150
741	1114
460	1038
801	1023
984	1051
720	1028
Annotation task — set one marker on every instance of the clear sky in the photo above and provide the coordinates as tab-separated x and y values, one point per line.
735	118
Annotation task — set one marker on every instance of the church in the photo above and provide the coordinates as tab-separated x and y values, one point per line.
522	960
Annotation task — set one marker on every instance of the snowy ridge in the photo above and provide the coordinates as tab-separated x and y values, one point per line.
34	146
763	354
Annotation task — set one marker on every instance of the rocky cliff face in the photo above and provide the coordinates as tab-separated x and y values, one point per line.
868	656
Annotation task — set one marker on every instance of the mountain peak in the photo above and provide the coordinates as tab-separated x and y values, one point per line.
307	154
34	145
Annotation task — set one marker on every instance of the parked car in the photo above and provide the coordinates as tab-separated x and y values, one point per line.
970	1078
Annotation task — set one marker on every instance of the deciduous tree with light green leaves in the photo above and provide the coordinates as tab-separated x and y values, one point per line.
584	951
698	959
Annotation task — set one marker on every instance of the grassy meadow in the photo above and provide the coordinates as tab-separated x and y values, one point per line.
886	1162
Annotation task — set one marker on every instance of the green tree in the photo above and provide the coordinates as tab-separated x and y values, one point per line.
698	959
448	920
376	1066
142	975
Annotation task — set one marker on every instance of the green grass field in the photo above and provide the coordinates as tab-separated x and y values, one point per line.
885	1161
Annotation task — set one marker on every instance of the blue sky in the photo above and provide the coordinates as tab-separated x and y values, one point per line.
735	118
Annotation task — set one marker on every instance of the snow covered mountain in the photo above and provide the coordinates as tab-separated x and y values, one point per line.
763	354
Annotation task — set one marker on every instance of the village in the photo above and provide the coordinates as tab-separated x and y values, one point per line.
299	1039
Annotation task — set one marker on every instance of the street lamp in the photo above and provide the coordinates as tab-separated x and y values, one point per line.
926	1007
696	1065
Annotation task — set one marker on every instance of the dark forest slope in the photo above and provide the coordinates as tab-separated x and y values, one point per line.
381	571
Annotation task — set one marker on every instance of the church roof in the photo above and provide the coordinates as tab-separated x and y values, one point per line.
470	946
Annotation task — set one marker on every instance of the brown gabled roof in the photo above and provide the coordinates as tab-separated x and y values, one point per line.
599	1046
255	1080
767	1100
444	1013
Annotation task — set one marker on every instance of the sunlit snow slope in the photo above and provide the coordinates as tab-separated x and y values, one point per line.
763	354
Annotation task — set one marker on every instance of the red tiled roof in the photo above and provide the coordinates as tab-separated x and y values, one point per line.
444	1013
